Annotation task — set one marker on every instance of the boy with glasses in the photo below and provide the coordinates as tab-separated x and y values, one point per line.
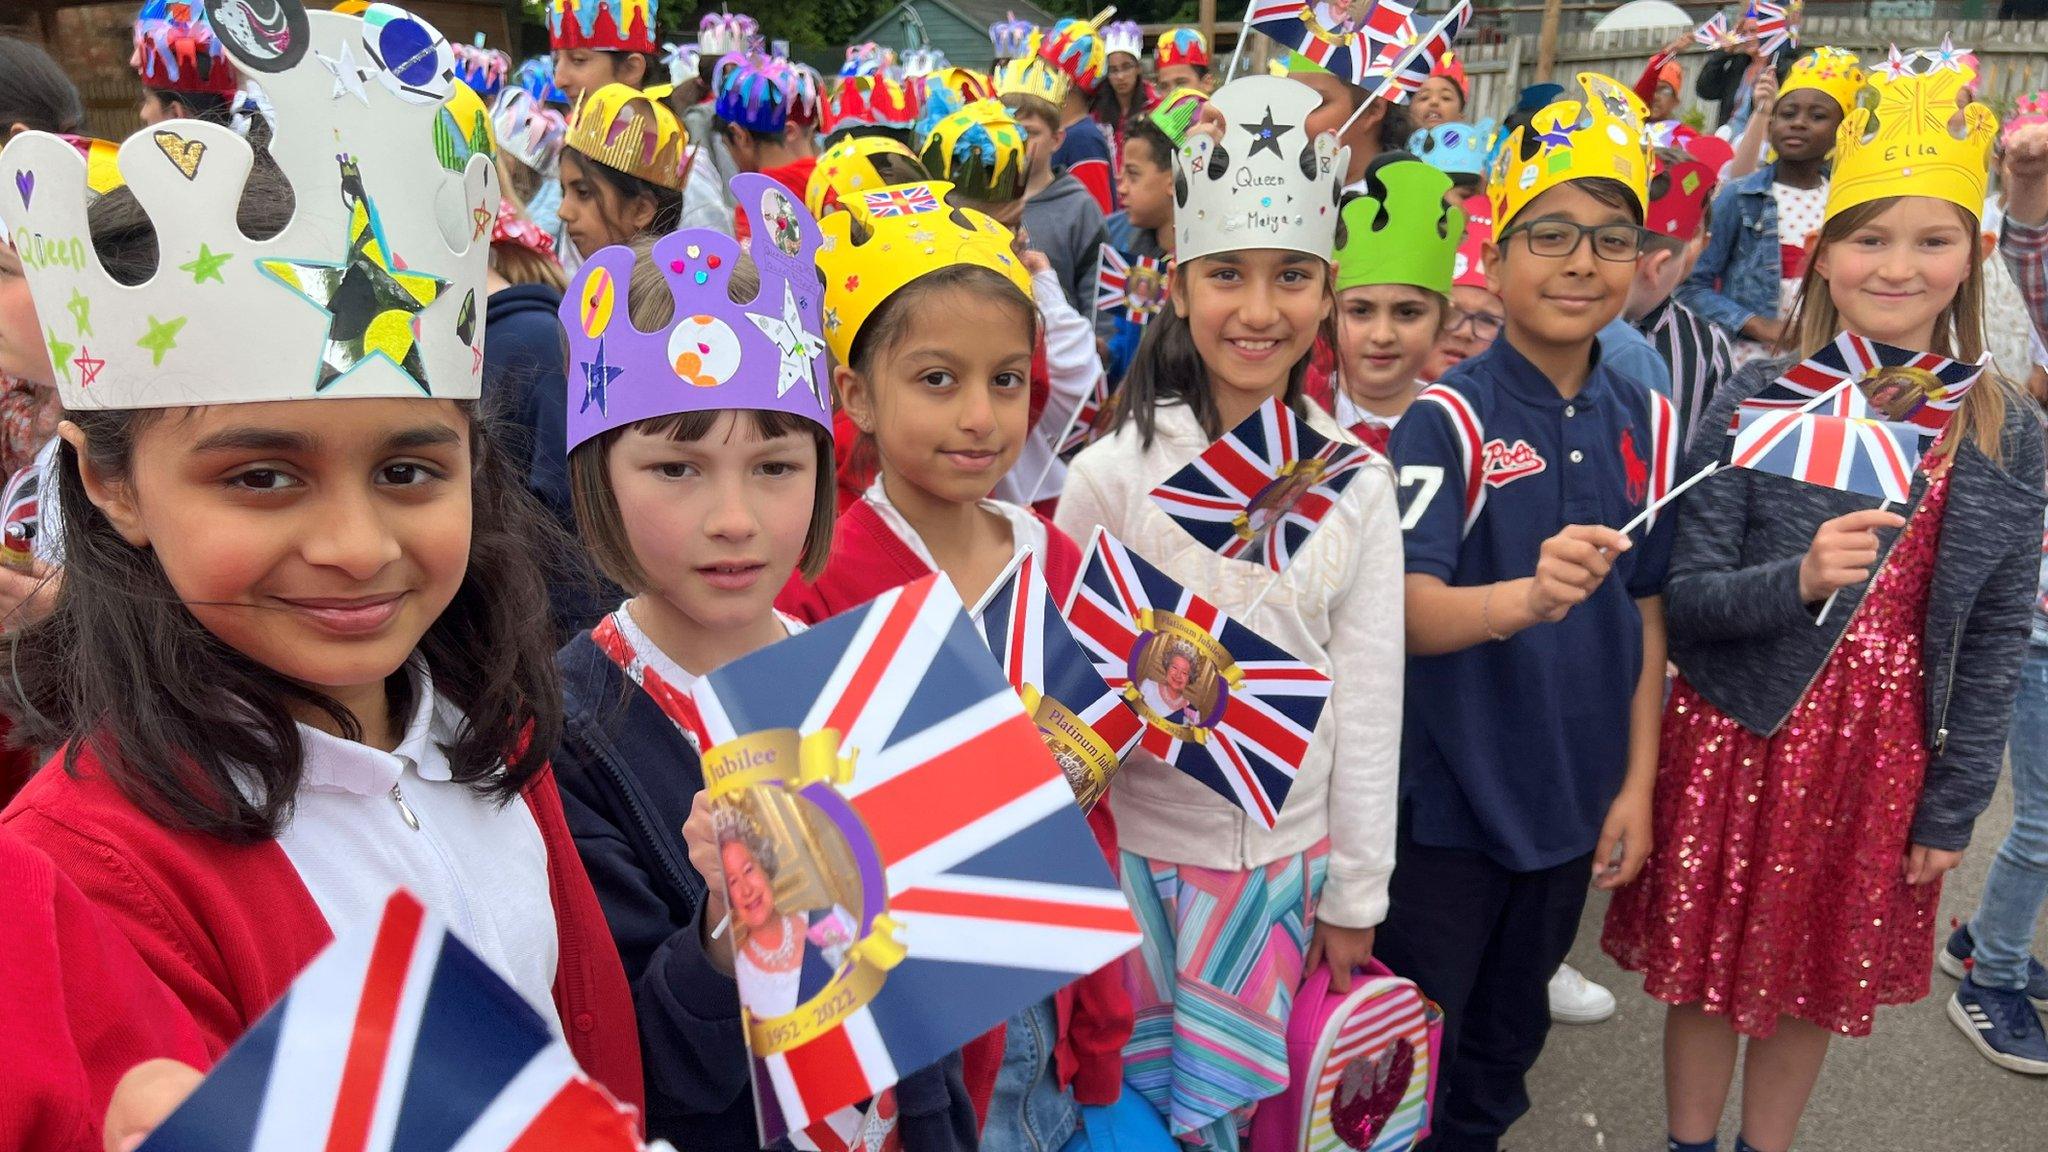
1535	628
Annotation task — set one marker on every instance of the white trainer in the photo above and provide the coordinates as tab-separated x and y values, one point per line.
1577	1000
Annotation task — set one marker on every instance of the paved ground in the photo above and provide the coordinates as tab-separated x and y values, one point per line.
1913	1085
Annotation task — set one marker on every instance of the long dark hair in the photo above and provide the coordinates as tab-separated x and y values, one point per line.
34	92
197	734
668	202
1168	369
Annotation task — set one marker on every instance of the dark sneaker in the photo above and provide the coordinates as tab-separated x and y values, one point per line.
1954	959
2002	1025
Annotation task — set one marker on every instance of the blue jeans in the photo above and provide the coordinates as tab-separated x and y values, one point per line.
2018	884
1028	1111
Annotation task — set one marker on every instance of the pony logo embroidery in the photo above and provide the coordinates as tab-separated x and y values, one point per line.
1502	464
1637	470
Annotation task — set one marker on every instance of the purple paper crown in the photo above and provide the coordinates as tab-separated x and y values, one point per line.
753	91
767	353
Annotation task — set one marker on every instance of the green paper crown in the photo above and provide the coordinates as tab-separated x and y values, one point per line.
1401	231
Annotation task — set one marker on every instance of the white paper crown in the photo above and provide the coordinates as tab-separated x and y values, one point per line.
1268	184
1124	36
374	288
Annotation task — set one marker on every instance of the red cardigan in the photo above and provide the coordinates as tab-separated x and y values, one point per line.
1094	1012
77	1008
228	926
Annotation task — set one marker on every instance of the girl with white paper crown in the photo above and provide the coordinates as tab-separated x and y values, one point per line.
294	663
929	317
700	457
1251	291
1822	763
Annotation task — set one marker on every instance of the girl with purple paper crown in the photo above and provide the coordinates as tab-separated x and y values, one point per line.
700	462
1249	294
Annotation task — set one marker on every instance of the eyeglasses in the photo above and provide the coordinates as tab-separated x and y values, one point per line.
1619	243
1485	325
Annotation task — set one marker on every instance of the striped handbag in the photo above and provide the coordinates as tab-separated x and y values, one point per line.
1363	1068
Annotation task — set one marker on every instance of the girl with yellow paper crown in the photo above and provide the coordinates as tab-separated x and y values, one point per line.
296	557
929	316
1820	770
1250	293
621	169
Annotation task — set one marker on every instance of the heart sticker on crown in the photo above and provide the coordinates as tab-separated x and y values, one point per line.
181	152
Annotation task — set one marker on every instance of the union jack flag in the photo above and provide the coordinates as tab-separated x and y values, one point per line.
906	201
1044	662
1243	718
1403	66
1087	419
1772	28
398	1039
1895	384
962	826
1262	488
1345	47
1715	33
1114	274
1872	457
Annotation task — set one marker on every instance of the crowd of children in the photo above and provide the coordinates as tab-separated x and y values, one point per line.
323	578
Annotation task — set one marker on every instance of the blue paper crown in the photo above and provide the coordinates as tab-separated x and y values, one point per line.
753	92
1457	148
536	78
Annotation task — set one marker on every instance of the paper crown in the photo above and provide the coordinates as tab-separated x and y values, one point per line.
606	25
892	236
1124	36
1829	71
2031	108
753	91
1680	191
1177	112
1268	184
869	102
860	164
1011	38
1904	146
622	127
1033	75
373	288
1451	68
1074	46
513	227
942	93
528	131
536	77
806	94
1181	46
1457	148
1566	140
723	33
1468	269
1401	231
922	61
979	150
764	354
682	61
482	69
176	50
869	59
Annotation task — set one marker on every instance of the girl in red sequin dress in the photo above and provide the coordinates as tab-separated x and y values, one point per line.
1792	884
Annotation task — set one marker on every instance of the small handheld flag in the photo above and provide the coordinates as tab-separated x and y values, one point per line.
1085	724
1715	33
1135	285
1402	67
1873	457
1770	25
1262	489
1221	703
1344	38
398	1038
1887	383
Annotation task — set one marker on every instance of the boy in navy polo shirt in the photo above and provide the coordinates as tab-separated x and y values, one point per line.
1535	631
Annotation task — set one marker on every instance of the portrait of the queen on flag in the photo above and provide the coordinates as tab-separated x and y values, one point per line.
904	862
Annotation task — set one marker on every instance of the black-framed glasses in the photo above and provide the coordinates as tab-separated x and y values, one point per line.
1485	325
1619	243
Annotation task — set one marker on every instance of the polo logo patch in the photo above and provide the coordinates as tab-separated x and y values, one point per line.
1633	465
1503	464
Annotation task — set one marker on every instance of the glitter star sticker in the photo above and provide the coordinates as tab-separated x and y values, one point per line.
160	339
348	79
1266	134
370	298
798	347
206	266
598	375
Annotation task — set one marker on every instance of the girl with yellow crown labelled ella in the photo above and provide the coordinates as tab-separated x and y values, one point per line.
1250	293
929	316
301	566
1820	770
700	457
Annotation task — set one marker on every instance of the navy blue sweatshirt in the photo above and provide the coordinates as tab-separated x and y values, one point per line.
627	778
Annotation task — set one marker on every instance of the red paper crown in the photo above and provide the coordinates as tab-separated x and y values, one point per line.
1183	46
1679	194
1453	69
1469	269
869	102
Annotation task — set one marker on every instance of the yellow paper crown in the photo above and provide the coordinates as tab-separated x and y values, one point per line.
1831	72
630	130
1905	147
1600	136
892	236
1032	75
857	164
